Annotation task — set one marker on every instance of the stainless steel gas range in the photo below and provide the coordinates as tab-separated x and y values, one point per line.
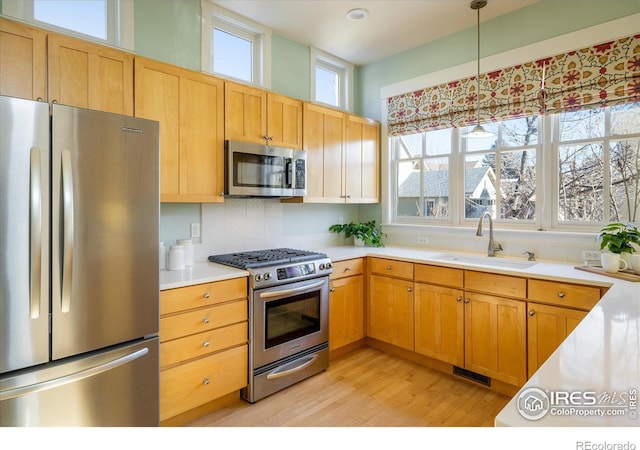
288	316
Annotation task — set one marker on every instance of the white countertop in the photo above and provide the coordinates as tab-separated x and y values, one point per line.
599	360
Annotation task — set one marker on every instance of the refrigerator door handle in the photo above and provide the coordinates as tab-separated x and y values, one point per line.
73	377
35	230
67	220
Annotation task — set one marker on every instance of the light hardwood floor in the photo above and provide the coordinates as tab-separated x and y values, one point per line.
367	388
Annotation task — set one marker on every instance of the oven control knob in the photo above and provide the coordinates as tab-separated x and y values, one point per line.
258	277
328	266
267	276
321	266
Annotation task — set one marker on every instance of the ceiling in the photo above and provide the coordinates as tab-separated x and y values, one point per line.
323	23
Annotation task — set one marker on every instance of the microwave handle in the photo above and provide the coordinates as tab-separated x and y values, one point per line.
290	168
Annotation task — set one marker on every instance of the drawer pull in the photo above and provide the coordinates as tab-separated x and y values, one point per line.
206	381
561	294
205	344
459	298
347	269
206	295
532	313
205	320
389	267
332	289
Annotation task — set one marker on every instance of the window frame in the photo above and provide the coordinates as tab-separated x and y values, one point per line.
215	17
342	68
119	27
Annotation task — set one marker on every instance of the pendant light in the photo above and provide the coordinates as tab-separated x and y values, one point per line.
478	131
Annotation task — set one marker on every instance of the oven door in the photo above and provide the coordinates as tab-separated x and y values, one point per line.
289	318
258	170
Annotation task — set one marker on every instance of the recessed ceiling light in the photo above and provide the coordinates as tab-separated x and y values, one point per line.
357	14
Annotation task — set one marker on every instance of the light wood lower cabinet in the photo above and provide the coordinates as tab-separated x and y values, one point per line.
203	344
496	337
346	303
547	327
390	312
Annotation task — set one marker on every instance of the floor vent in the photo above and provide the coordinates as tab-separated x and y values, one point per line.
469	375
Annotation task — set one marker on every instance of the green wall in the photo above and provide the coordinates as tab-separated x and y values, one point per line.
290	68
540	21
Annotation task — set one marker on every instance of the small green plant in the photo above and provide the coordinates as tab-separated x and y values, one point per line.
366	231
619	238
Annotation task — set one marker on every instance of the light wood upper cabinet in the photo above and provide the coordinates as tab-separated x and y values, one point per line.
362	169
284	121
323	140
23	61
190	107
256	115
89	75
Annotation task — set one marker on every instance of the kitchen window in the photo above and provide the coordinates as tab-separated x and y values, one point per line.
583	176
234	47
331	80
110	21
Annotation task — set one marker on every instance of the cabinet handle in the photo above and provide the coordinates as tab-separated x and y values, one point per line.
206	381
459	299
409	289
332	289
532	313
205	320
466	300
346	269
205	344
206	295
389	267
561	294
39	99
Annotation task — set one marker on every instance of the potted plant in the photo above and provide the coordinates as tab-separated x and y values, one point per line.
366	232
619	239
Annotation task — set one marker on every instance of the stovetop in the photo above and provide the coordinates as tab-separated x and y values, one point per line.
264	258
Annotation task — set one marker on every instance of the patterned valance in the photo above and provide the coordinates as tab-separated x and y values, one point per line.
601	75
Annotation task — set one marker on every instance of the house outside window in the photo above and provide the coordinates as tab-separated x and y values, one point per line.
110	21
235	47
331	80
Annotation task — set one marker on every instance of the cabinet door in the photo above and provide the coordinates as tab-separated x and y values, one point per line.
158	98
245	113
284	121
547	327
89	75
346	311
323	141
391	315
361	160
495	337
201	138
440	323
23	61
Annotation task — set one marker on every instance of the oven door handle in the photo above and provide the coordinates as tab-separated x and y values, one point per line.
275	374
283	292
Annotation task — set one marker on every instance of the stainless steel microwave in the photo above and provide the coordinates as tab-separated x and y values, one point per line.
255	170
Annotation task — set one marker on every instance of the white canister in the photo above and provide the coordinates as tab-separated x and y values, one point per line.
176	257
188	251
163	256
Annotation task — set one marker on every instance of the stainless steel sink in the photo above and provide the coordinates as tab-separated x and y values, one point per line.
486	261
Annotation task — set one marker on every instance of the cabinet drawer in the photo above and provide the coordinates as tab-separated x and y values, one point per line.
439	275
193	384
174	300
347	268
564	294
199	320
201	344
392	268
495	284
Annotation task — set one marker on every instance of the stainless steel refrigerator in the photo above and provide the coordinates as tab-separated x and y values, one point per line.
79	291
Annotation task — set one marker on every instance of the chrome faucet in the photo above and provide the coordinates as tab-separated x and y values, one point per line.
493	246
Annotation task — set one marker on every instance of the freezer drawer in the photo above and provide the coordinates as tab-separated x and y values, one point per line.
118	387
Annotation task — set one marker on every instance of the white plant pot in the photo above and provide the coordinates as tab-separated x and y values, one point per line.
358	242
